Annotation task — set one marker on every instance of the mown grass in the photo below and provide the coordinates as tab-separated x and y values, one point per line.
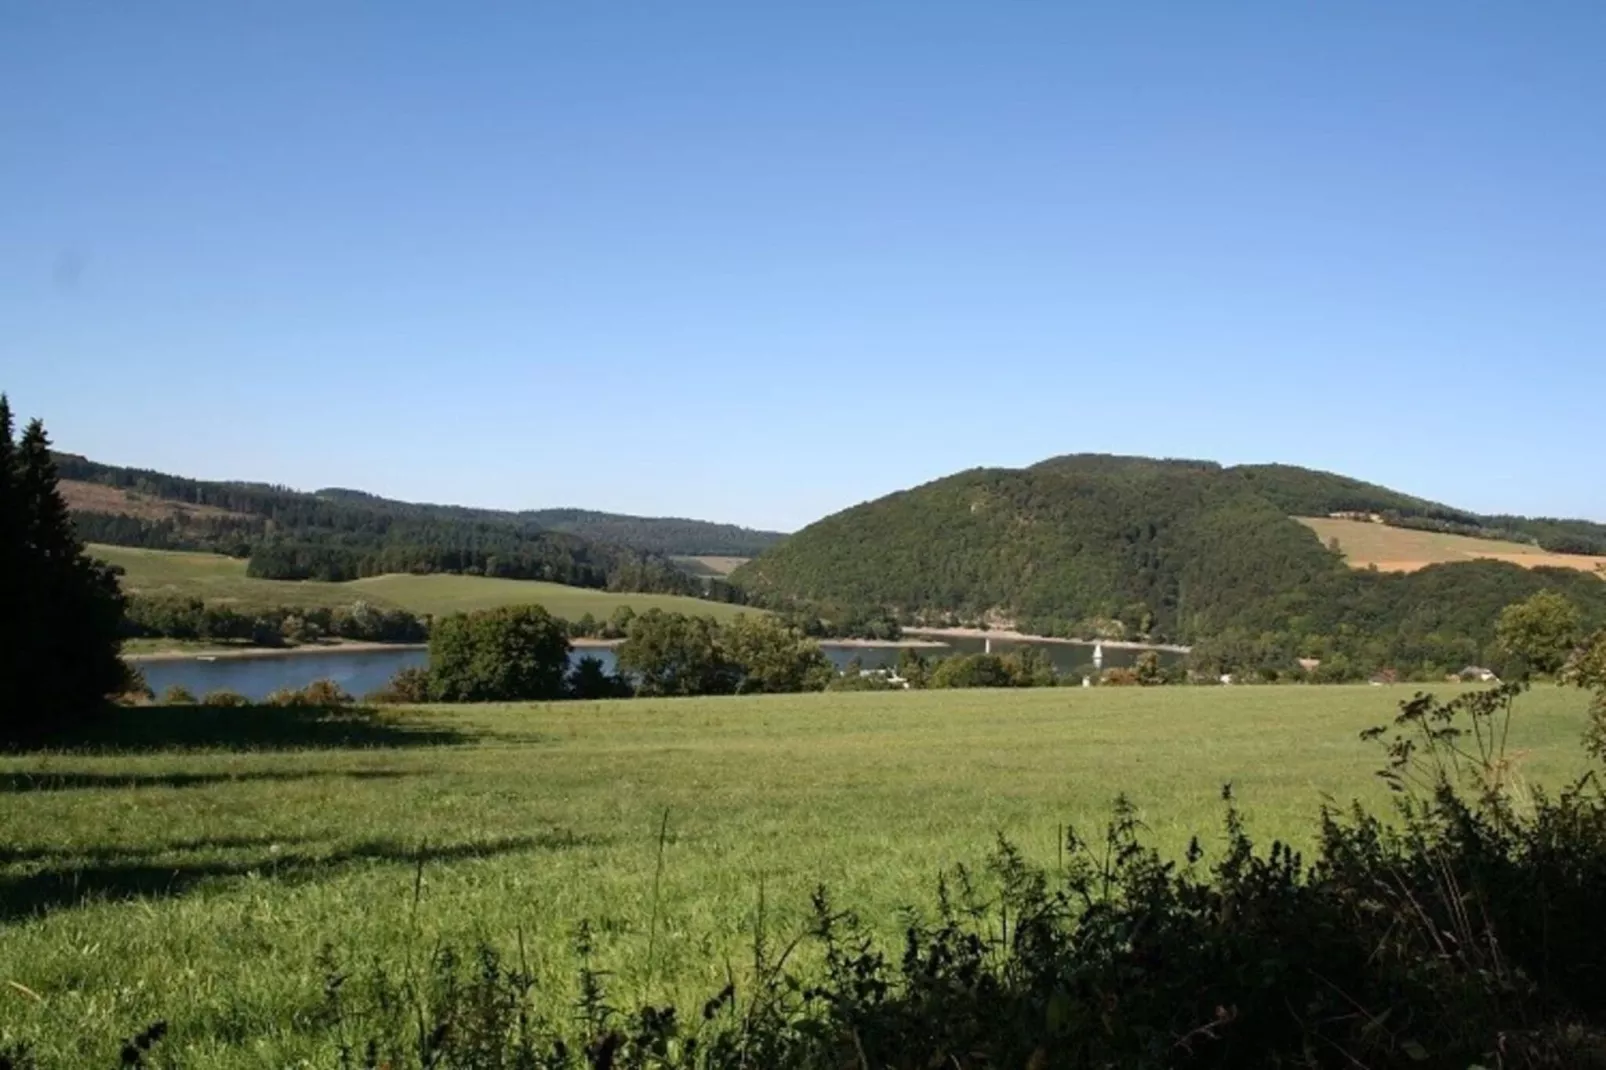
1394	549
711	564
193	872
218	578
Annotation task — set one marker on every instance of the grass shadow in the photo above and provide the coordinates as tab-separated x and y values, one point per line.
76	855
94	877
252	728
23	782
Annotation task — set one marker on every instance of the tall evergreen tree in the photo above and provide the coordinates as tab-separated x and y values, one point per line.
11	564
60	611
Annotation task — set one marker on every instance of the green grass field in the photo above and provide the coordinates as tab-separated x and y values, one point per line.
197	883
215	577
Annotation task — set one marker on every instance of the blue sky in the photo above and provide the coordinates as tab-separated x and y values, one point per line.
758	262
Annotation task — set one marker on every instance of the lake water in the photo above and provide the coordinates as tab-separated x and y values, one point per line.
361	671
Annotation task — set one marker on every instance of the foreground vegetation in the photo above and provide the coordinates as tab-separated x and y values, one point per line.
214	577
192	871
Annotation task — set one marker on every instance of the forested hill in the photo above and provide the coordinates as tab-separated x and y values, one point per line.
343	534
1173	548
668	536
658	534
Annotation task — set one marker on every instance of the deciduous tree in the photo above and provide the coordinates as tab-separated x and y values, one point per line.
499	655
1541	630
672	654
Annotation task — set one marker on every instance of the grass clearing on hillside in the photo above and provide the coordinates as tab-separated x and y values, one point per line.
82	497
1394	549
711	565
215	577
182	880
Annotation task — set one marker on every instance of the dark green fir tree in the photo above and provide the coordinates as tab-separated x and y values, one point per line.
60	611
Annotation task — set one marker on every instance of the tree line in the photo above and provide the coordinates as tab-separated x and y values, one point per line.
524	653
193	618
658	535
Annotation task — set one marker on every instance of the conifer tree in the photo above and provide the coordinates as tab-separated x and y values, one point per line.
60	611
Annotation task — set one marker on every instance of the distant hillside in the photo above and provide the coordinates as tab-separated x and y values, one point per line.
1303	492
1175	548
659	535
338	535
1183	545
223	580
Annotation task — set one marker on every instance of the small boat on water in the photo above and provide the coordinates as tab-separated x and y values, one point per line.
206	657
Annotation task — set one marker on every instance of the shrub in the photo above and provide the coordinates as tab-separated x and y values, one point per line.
587	680
856	681
178	695
971	670
408	686
322	694
136	690
224	697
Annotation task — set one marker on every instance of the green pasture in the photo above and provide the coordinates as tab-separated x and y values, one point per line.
190	866
215	577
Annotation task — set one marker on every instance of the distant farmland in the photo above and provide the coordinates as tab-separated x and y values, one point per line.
1394	549
217	578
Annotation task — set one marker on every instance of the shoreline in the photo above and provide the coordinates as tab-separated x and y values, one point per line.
1009	635
856	644
232	653
914	639
883	644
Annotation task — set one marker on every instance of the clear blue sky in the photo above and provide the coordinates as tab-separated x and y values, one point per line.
757	262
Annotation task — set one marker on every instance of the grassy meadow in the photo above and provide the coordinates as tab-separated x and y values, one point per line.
1394	549
220	578
192	870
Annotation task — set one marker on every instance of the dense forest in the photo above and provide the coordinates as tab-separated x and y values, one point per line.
1183	550
343	535
658	535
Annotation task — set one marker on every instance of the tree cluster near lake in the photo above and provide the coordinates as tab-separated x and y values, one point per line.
196	619
60	610
518	652
1420	625
521	653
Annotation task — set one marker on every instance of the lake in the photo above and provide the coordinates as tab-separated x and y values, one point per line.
361	671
